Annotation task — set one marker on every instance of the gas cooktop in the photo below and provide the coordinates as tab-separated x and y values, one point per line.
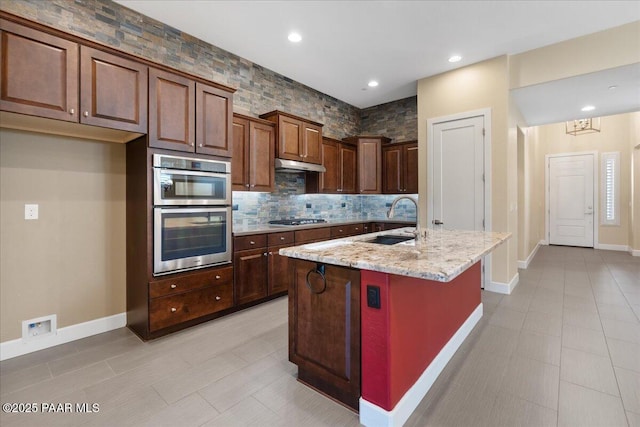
296	221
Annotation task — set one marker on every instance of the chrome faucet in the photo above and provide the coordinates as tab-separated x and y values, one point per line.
391	212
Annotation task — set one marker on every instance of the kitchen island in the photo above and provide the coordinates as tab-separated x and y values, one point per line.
374	318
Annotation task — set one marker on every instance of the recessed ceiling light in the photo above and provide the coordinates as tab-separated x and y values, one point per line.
455	58
588	108
373	83
294	37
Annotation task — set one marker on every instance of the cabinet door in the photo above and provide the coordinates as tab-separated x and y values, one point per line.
214	116
240	158
250	272
113	91
411	168
312	142
280	270
171	111
38	74
369	166
289	144
348	169
324	329
261	157
392	170
329	180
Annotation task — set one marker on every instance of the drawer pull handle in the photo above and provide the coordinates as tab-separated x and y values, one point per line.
281	238
217	277
173	286
218	298
173	309
252	242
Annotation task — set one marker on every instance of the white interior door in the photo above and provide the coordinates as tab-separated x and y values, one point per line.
457	178
571	208
458	174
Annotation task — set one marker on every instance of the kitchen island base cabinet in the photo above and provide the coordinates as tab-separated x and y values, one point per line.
324	341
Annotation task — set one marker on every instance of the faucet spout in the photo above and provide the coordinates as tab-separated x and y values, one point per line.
391	210
419	236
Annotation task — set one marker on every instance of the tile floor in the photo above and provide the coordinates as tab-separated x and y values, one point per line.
563	349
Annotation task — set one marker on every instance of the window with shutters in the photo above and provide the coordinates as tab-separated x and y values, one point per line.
610	198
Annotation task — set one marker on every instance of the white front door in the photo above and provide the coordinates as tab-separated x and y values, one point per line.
571	208
458	174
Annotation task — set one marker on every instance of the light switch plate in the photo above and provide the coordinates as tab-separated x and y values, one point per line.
30	211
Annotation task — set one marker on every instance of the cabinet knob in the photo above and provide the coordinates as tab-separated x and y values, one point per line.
252	242
253	185
173	309
72	111
281	238
246	185
86	114
218	298
340	230
265	254
270	253
201	145
217	277
357	229
173	286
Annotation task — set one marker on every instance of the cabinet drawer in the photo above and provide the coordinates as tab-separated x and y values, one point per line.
175	309
280	238
250	242
313	234
346	230
164	287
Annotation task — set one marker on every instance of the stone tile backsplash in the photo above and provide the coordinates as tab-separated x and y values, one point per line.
289	200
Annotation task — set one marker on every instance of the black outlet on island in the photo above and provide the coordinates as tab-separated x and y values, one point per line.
373	296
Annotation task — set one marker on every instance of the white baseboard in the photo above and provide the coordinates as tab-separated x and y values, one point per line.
503	288
19	347
634	252
543	243
525	264
606	247
374	416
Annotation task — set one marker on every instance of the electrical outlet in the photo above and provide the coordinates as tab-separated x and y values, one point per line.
30	211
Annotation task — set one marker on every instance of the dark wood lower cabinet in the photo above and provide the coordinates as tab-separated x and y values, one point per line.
279	269
250	275
324	329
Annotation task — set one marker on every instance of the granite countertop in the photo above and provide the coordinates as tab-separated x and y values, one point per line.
444	255
267	228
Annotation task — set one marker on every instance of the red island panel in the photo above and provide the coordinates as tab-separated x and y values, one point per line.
415	321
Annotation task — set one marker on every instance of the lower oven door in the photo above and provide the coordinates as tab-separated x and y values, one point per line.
188	238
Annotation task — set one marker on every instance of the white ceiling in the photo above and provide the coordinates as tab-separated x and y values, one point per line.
347	43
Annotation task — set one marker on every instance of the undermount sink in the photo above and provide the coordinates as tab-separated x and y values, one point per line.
389	239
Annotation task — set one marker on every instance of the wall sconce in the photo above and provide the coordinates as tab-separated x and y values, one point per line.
582	126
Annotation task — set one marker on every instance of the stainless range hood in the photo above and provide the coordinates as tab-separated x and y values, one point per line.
283	165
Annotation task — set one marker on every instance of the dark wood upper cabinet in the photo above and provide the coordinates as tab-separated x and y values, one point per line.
113	91
38	74
369	162
214	118
330	180
297	138
252	164
171	111
348	162
400	168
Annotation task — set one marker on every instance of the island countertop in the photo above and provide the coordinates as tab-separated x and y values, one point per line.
442	257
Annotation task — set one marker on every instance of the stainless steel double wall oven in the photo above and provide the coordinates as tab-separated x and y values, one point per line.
192	213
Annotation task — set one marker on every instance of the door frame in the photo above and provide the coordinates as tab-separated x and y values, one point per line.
486	114
596	196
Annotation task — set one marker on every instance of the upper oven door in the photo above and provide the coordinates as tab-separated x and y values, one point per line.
181	187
